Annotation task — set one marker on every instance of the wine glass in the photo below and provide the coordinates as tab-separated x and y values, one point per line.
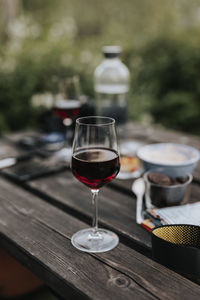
95	162
67	108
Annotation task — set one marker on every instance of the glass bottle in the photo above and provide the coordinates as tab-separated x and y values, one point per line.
111	85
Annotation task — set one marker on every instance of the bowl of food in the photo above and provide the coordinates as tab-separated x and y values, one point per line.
130	163
175	159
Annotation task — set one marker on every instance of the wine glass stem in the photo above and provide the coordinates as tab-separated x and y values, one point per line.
95	209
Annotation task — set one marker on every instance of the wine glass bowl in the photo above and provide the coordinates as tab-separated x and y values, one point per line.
67	107
95	167
95	162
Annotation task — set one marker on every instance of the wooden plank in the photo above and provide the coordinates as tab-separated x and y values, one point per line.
155	133
6	149
43	233
116	210
126	224
38	235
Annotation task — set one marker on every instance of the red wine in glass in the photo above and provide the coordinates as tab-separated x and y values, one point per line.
95	162
67	109
95	166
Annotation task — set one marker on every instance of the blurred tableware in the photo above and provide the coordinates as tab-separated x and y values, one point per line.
138	188
30	143
11	161
67	107
53	141
162	194
130	163
175	159
33	168
178	247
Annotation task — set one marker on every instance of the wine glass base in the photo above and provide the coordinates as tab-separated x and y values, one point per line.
88	241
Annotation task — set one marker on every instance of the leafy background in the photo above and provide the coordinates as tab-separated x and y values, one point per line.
44	40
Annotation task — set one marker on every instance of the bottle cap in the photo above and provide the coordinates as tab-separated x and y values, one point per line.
111	51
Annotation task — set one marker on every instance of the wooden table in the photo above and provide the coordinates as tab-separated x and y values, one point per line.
38	218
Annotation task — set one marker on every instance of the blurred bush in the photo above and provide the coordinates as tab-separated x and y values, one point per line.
51	40
166	84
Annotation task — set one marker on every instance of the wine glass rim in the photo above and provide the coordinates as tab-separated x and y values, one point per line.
107	121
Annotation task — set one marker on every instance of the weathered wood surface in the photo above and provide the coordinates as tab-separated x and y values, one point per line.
116	210
7	149
38	235
64	191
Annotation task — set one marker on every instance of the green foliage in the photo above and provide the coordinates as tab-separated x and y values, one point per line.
169	73
51	40
30	76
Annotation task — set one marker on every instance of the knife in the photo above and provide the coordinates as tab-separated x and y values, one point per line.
11	161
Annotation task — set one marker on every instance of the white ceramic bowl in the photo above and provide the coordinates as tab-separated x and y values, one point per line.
175	159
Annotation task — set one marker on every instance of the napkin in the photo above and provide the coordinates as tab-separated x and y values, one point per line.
182	214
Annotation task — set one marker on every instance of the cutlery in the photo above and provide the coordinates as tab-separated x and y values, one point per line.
138	188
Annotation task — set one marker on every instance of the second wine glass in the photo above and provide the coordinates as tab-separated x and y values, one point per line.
67	108
95	162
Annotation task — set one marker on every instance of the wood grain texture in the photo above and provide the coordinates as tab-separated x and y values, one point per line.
38	235
78	198
116	210
7	149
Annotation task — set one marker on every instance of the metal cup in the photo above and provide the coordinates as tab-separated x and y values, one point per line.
157	195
